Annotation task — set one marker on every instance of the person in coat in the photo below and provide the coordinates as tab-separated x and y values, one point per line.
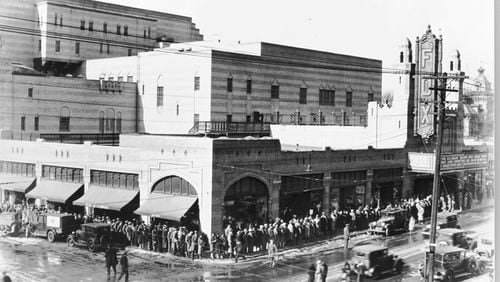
321	271
111	259
124	267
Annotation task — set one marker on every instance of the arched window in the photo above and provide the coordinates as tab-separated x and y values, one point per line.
64	119
401	56
451	65
101	122
110	120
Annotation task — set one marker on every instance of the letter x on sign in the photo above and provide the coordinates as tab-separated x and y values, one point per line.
426	109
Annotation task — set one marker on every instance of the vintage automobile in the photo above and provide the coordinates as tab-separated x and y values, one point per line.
53	226
444	220
94	236
390	222
454	237
373	260
450	262
10	222
485	251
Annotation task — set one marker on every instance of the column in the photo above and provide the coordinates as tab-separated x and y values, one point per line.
327	179
274	197
408	181
368	186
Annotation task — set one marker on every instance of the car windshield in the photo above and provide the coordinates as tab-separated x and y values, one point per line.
104	229
360	254
451	257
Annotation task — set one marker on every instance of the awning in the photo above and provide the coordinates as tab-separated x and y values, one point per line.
166	206
106	198
16	183
54	191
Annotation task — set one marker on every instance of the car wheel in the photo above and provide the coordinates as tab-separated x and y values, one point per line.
51	236
376	273
472	266
388	232
481	268
71	242
398	268
448	276
91	245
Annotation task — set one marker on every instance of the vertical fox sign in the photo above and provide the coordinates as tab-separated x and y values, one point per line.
428	62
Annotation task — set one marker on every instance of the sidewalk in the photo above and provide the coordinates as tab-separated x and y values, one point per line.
313	247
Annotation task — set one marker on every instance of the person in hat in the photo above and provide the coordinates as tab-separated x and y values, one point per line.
347	234
124	266
272	250
111	259
321	271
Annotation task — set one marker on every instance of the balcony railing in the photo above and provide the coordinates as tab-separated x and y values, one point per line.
225	128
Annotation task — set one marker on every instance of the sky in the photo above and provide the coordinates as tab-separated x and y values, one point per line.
366	28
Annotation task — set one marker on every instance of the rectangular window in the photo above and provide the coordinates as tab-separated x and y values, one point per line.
249	86
30	92
77	48
119	125
303	95
119	29
145	34
64	124
130	78
39	45
370	97
275	92
149	32
129	52
229	84
58	45
23	123
61	21
196	83
120	78
55	20
100	48
331	98
327	97
125	30
107	48
159	96
105	28
36	122
348	99
82	24
91	26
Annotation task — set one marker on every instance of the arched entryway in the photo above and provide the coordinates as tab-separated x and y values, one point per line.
246	201
173	200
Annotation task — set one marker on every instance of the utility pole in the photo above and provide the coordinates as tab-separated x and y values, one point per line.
441	99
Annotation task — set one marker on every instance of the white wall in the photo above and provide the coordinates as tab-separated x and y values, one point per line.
175	71
112	67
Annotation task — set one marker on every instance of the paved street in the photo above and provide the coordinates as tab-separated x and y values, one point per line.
38	260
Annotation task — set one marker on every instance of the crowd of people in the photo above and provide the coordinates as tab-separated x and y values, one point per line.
243	238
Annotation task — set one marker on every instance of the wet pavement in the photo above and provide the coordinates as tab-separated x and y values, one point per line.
36	259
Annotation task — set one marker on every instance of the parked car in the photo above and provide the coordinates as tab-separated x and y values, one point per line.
450	262
373	260
390	222
10	222
93	236
485	251
444	220
53	226
454	237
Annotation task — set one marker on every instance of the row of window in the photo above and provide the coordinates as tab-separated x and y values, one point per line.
90	26
348	177
110	123
130	78
57	47
22	169
65	174
174	185
36	121
115	179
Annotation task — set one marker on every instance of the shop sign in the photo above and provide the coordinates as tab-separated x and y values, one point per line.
360	189
421	162
424	162
461	161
